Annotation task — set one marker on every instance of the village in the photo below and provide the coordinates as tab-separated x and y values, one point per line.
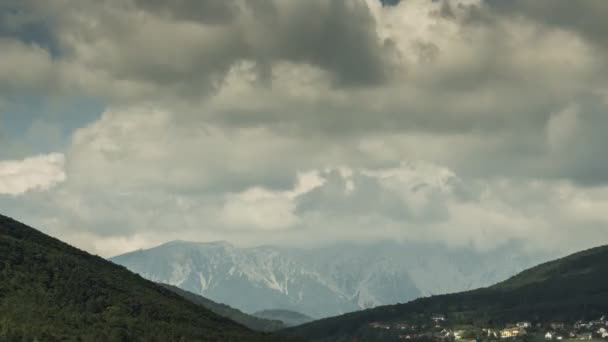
438	328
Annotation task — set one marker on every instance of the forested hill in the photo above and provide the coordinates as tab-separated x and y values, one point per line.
250	321
50	291
568	289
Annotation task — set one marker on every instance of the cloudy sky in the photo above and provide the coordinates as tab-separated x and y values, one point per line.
128	123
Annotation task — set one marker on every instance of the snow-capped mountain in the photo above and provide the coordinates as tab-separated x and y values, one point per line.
324	281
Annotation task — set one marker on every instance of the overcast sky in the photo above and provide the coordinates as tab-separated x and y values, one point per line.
128	123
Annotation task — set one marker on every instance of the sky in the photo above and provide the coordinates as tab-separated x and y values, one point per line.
472	123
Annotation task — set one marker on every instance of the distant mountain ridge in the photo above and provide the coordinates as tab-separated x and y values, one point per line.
51	291
289	318
324	281
564	290
253	322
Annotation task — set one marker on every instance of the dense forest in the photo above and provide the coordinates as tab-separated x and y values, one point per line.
50	291
250	321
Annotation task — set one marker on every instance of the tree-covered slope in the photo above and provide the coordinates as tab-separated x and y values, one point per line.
289	318
571	288
251	321
50	291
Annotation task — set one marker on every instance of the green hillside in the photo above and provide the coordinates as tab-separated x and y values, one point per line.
250	321
50	291
288	317
568	289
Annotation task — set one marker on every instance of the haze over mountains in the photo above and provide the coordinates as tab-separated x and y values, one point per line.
565	290
324	281
68	294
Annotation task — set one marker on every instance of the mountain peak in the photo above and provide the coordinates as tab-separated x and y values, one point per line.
323	281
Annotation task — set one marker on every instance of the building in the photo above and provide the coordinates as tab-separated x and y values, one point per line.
557	326
438	318
458	334
402	326
492	333
549	335
512	332
378	325
584	336
524	324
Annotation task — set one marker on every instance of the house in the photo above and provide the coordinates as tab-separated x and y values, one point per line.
512	332
582	325
557	325
584	336
601	331
604	335
490	332
458	334
378	325
549	335
438	318
401	326
524	324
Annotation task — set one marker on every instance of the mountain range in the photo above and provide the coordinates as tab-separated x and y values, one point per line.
50	291
325	281
564	290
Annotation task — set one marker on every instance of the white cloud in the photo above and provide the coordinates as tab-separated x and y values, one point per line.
258	209
562	128
34	173
24	67
290	122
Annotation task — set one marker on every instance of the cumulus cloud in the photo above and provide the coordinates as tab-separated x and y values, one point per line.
562	127
464	121
35	173
24	67
414	201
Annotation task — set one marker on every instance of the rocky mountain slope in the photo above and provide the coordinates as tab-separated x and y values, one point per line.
564	290
324	281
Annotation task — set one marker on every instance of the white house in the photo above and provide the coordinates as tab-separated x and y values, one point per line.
549	335
438	318
585	336
524	324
